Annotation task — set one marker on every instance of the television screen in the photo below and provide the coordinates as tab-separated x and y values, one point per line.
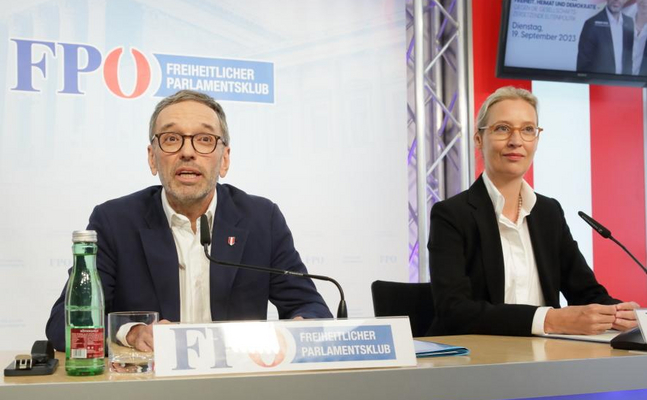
588	41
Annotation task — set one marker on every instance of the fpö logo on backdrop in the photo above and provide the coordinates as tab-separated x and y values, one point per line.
224	79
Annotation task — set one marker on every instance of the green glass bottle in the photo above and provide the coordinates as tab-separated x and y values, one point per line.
84	310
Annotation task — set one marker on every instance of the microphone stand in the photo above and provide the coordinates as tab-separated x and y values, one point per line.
205	240
633	338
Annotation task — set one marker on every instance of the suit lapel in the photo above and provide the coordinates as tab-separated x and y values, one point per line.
492	253
162	259
227	244
607	49
541	250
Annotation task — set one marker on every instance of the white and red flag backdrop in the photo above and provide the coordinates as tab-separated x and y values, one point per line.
591	157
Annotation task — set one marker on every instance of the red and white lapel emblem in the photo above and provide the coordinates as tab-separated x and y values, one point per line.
231	240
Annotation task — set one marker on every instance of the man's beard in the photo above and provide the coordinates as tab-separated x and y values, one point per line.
188	195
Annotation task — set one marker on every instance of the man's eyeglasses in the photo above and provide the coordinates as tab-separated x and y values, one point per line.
172	142
501	131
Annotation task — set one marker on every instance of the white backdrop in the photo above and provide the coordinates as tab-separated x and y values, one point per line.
330	148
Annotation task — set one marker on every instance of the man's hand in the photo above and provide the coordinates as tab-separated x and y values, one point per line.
625	316
141	336
581	320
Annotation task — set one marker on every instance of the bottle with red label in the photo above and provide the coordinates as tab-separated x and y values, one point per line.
84	310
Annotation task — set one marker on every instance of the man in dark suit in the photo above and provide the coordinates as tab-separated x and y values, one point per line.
596	51
150	257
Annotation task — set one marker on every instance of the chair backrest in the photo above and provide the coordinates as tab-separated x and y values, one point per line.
414	300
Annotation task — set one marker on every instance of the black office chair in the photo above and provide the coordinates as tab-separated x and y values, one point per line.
414	300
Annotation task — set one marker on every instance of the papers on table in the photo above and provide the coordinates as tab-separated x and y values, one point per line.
432	349
601	338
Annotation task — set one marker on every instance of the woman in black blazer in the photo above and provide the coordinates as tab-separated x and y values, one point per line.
500	254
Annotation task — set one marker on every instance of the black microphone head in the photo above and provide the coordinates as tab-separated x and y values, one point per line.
205	235
604	232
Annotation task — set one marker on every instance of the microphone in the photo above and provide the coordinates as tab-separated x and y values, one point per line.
605	233
205	234
631	339
205	241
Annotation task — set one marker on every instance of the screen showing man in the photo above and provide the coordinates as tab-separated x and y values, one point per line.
606	41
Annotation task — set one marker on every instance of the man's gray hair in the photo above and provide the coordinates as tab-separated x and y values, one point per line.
504	93
191	95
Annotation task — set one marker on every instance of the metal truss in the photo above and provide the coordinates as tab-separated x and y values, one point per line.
437	104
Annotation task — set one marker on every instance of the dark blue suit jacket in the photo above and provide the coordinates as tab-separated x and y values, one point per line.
138	262
595	46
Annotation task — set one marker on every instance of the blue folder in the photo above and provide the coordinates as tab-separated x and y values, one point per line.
433	349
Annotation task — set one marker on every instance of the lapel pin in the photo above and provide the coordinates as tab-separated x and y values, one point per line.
231	240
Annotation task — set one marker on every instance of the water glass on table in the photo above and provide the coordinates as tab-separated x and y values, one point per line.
124	357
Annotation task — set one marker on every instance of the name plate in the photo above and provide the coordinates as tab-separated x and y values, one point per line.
641	317
287	345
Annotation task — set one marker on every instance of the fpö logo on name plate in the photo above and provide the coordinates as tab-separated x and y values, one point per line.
224	79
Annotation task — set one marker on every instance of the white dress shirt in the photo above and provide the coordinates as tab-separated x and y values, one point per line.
193	268
522	285
640	37
616	37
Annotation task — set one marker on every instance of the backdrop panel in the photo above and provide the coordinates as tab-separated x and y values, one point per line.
315	96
